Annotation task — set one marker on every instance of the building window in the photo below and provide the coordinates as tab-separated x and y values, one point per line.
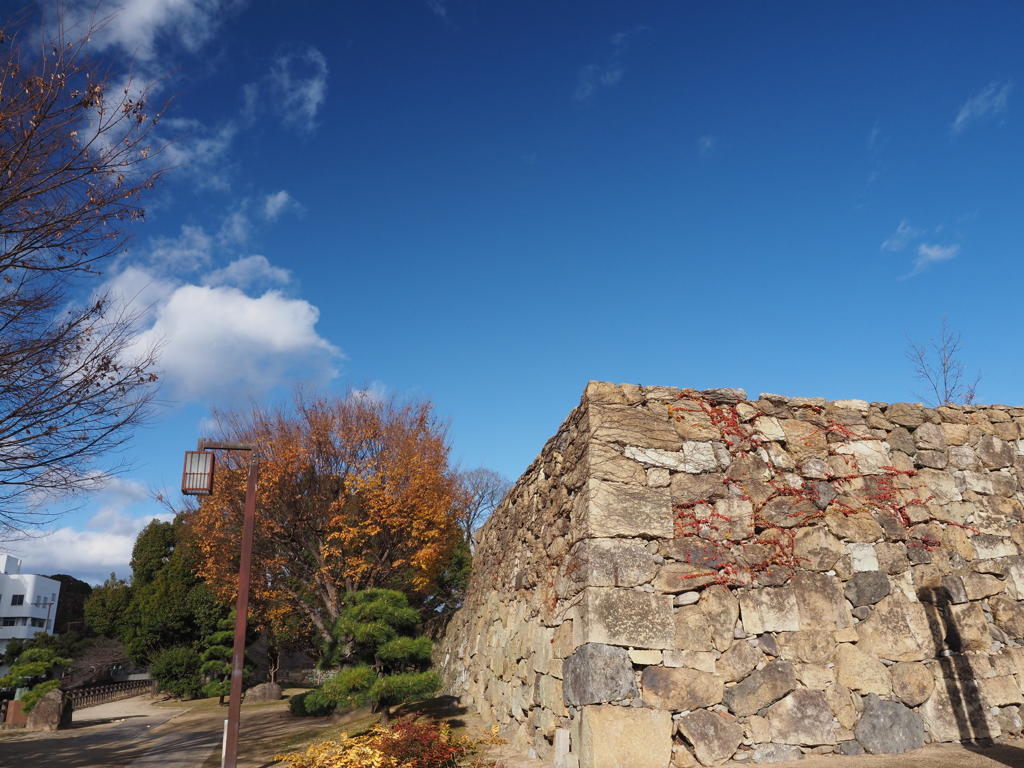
8	621
17	599
38	622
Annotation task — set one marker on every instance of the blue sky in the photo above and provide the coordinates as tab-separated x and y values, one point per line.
490	204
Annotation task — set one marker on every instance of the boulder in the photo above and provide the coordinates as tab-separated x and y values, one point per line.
815	548
802	718
738	662
597	673
867	588
624	737
887	633
51	713
912	682
820	602
680	688
262	692
625	617
888	727
714	738
762	688
860	671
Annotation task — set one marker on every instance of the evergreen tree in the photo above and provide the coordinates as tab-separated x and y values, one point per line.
386	661
35	664
217	659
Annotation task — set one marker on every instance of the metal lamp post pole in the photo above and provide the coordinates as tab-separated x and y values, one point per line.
242	606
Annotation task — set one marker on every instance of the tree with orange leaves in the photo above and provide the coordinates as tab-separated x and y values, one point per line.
355	492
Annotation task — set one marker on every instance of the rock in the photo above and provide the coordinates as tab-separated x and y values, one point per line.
841	700
51	713
738	662
597	673
981	585
646	658
724	396
815	676
1008	615
867	588
692	630
933	459
680	688
870	456
860	671
674	578
859	526
887	634
758	729
689	489
606	463
714	738
722	609
625	617
693	457
995	453
967	628
1010	721
862	557
262	692
930	437
624	737
610	510
888	727
772	609
954	589
816	549
938	483
912	682
761	688
808	646
892	558
802	718
911	415
613	562
956	713
776	753
626	425
1000	691
702	660
804	440
850	748
820	603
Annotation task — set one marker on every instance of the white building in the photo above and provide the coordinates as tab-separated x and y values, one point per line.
28	602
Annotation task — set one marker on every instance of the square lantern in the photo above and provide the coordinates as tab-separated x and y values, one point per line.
197	477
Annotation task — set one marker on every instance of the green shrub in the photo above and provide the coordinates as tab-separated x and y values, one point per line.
30	699
176	670
314	703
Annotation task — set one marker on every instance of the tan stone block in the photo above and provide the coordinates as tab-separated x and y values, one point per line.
627	425
886	633
692	630
841	701
645	658
971	627
982	585
912	682
561	646
714	736
702	660
956	714
738	662
610	510
861	672
624	737
1000	691
804	440
771	609
803	718
679	688
608	464
858	527
624	617
816	549
758	729
808	646
674	578
815	676
820	602
722	610
612	563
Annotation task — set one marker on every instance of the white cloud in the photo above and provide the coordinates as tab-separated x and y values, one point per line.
294	89
437	6
187	252
902	237
136	26
105	544
706	145
201	151
248	271
234	230
595	76
990	102
932	254
276	204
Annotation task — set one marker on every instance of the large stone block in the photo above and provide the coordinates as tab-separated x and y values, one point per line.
680	688
625	737
955	712
1008	615
612	563
625	617
762	688
611	510
722	610
967	628
261	693
816	549
738	662
674	578
860	671
888	727
693	630
912	682
596	673
692	457
820	602
807	646
772	609
51	713
887	634
606	463
802	718
626	425
714	738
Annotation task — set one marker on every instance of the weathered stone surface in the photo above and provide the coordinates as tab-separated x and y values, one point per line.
1010	721
625	617
738	662
613	562
804	440
692	457
1000	691
262	692
815	676
887	634
819	601
930	437
762	688
680	689
860	671
674	578
722	609
981	585
714	738
912	682
911	415
626	425
606	463
1008	615
995	453
967	629
869	456
860	526
688	489
625	737
841	700
889	728
803	718
51	713
816	549
939	484
867	588
597	673
773	609
609	510
776	753
646	658
892	558
808	646
702	660
692	630
955	712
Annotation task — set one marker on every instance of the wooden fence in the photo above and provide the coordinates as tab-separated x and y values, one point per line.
100	694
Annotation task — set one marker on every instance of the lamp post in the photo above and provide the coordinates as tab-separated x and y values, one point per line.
197	480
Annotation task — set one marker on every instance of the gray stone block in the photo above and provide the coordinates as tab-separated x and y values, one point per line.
625	617
888	727
596	674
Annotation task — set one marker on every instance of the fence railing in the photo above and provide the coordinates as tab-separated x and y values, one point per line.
100	694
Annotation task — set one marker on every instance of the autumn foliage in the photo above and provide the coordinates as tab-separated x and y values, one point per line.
355	492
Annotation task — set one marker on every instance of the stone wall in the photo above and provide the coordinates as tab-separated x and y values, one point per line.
690	577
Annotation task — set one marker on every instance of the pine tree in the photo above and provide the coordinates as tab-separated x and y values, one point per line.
217	658
387	663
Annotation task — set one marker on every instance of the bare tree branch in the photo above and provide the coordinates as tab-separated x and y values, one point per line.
482	491
945	383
